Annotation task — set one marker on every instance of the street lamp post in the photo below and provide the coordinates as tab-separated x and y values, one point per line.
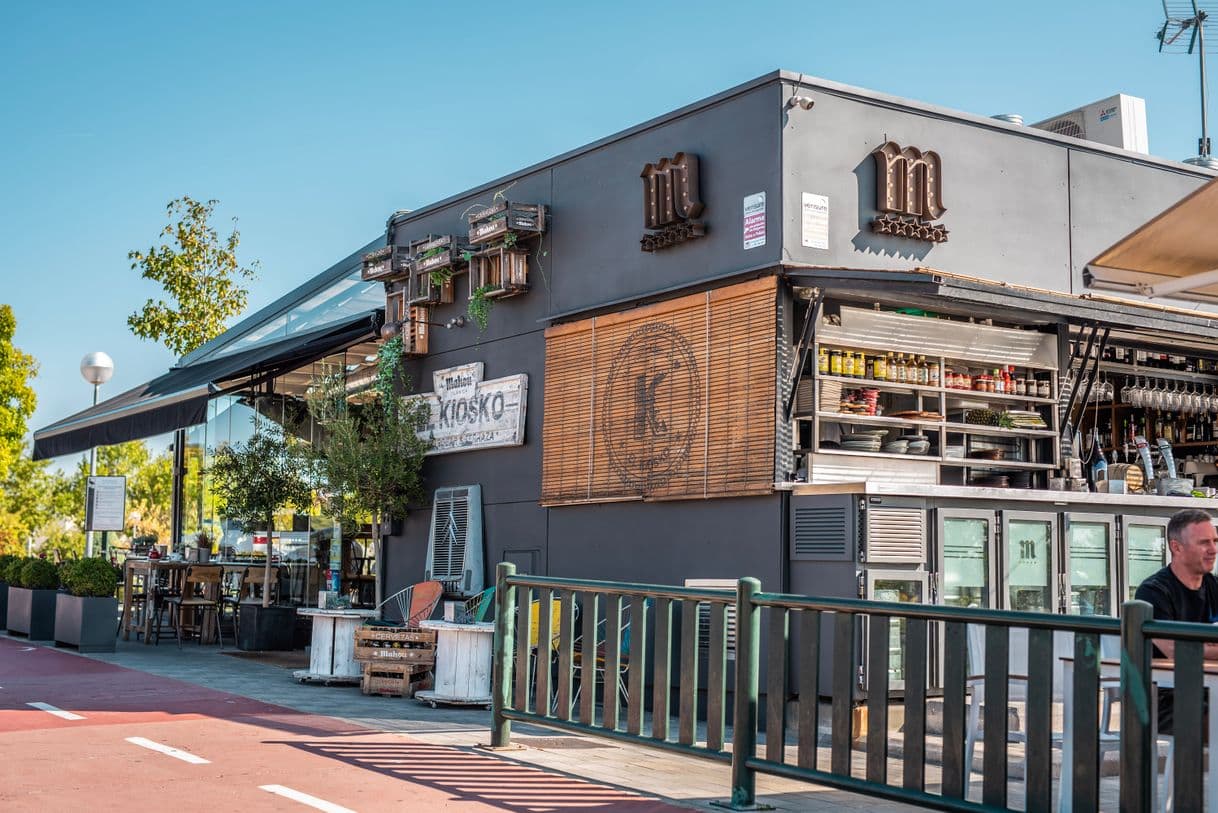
96	369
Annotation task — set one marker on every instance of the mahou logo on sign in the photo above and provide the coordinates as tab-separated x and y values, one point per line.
909	192
671	202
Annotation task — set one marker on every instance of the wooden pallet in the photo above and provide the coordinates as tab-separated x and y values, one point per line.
395	645
393	679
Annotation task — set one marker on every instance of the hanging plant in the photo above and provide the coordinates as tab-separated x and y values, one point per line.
439	276
479	308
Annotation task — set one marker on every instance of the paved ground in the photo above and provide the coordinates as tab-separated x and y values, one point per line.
257	726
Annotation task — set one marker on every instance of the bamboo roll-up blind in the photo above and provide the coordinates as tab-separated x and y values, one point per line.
671	401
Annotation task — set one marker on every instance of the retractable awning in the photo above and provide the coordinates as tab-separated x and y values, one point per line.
179	397
935	290
1175	254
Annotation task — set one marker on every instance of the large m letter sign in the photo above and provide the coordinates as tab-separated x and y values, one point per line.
671	204
909	191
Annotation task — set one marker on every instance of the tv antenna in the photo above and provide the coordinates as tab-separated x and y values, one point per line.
1187	29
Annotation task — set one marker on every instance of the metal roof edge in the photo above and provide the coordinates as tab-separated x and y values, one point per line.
284	303
938	111
773	77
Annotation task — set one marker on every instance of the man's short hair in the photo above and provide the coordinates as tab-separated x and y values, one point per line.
1184	518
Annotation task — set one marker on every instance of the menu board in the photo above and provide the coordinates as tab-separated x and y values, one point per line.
106	504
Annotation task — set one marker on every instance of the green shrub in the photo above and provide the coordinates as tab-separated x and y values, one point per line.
39	574
91	577
6	561
11	573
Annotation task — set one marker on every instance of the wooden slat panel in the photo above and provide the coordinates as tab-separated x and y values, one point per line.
776	685
809	687
914	764
671	401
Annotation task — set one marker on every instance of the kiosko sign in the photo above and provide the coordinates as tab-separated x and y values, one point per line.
468	413
909	190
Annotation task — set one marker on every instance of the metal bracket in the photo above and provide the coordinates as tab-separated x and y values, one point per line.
806	339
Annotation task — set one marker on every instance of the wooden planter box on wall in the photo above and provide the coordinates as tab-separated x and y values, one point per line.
435	255
520	219
674	400
388	263
503	271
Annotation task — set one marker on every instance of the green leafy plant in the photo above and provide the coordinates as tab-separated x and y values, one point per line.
39	574
369	459
90	577
509	239
7	561
479	307
439	276
200	274
257	478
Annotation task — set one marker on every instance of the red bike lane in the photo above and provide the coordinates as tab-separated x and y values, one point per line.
106	738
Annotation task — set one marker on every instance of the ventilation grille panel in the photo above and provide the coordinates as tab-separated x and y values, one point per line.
896	534
820	532
450	530
704	615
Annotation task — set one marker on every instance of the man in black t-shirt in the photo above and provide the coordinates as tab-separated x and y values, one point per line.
1185	590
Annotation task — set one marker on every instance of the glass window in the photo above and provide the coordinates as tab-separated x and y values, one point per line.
1087	548
1145	552
966	544
1028	552
903	590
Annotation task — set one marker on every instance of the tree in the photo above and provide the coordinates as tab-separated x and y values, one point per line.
17	398
199	272
369	457
257	478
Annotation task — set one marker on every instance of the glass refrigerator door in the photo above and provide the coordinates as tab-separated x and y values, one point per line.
1145	550
1027	562
965	546
906	587
1089	565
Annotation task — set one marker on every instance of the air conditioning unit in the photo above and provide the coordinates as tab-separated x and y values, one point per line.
454	546
1118	121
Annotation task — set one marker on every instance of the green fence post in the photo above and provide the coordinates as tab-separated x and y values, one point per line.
1139	762
505	643
744	715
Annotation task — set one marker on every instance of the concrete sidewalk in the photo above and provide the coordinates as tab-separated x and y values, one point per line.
686	781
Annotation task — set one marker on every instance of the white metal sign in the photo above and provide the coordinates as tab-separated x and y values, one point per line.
754	220
815	221
468	413
106	504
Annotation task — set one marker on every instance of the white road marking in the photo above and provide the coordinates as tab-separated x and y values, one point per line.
27	649
305	799
168	750
49	709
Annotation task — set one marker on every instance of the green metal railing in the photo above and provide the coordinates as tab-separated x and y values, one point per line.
552	632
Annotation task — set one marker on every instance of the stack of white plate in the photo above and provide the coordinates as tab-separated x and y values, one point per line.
898	446
954	451
861	442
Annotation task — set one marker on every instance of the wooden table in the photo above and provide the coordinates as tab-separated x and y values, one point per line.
150	570
463	663
1162	673
332	652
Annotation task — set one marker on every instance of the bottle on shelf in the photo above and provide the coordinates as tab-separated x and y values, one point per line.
822	361
848	364
877	368
923	371
902	370
835	362
932	373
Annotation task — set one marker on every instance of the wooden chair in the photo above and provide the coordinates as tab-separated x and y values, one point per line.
201	594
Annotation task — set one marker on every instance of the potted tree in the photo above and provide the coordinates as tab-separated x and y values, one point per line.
31	599
369	458
254	480
84	616
6	560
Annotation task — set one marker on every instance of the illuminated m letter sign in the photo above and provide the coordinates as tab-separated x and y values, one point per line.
671	203
909	191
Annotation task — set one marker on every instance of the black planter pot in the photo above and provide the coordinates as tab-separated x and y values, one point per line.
4	604
263	629
88	624
32	613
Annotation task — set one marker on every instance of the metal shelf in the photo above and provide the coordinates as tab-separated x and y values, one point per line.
978	463
999	431
975	395
887	386
877	420
884	455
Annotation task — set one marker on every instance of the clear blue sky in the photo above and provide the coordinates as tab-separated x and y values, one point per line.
312	121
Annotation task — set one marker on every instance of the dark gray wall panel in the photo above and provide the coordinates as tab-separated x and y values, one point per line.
668	542
1110	198
598	204
1005	194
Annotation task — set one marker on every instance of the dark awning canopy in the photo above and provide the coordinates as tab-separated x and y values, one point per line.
179	398
937	290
